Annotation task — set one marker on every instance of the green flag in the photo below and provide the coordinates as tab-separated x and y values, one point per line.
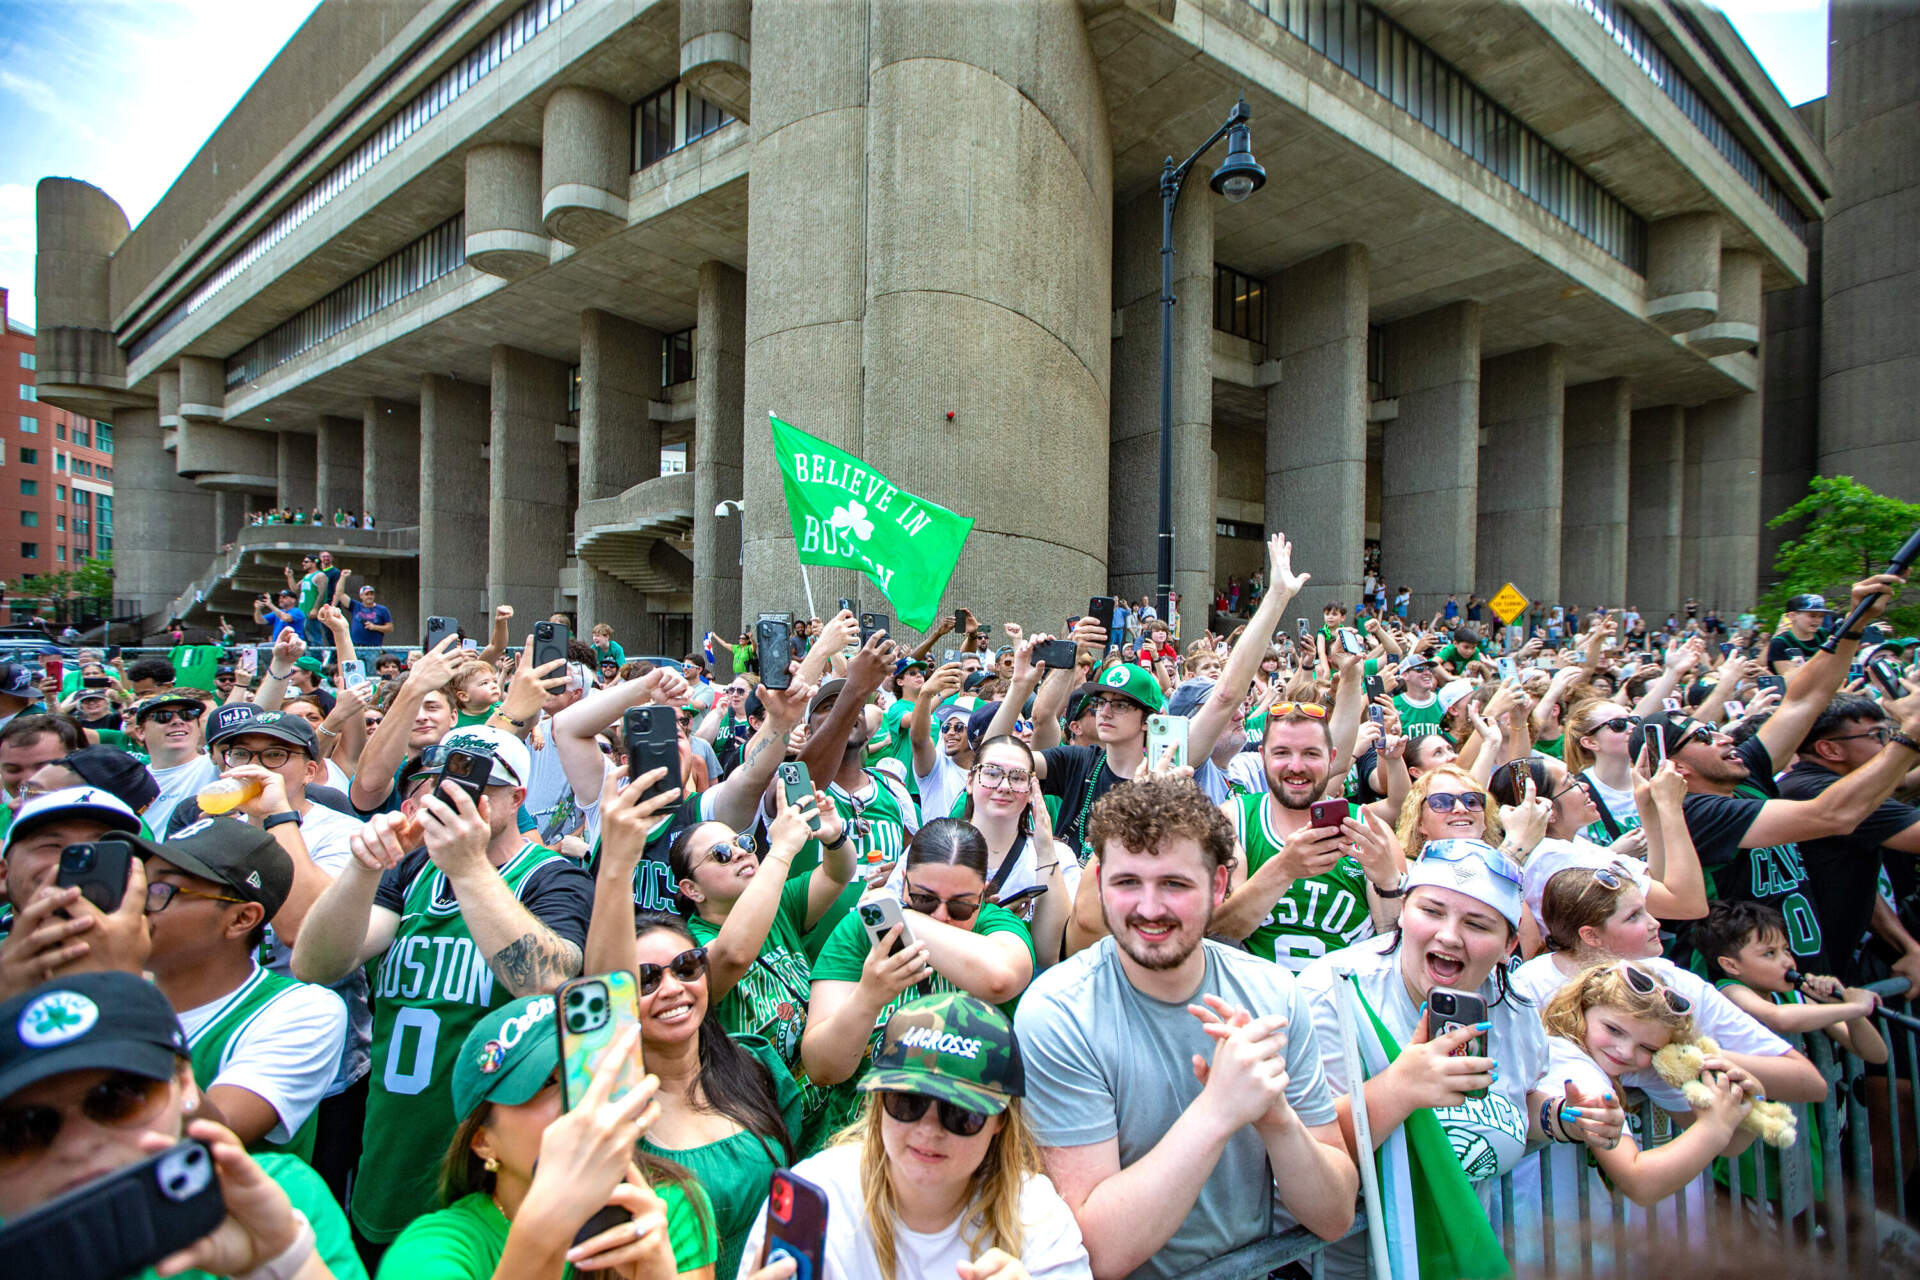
848	516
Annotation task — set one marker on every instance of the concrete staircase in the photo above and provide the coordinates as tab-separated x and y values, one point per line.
643	537
255	562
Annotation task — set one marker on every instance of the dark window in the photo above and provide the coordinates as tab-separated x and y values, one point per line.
676	358
1239	304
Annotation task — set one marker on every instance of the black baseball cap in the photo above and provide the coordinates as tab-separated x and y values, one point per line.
229	852
115	772
111	1021
243	718
17	680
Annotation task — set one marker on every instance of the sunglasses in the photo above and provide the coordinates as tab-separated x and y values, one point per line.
959	909
907	1108
1311	709
1644	983
1448	801
996	776
1472	851
688	966
1619	724
167	715
1615	876
120	1101
726	851
160	893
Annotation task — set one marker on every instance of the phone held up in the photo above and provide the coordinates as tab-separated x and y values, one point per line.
1449	1010
1055	655
122	1223
796	1225
880	913
1327	813
773	641
1164	732
99	869
438	629
468	770
652	736
550	640
591	1013
796	784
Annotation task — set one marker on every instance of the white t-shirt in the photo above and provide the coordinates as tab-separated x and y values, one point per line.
288	1054
1552	856
177	782
940	790
1619	803
1050	1246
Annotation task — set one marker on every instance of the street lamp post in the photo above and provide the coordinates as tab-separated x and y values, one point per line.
1238	177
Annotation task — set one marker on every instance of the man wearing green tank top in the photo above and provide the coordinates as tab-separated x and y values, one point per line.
478	916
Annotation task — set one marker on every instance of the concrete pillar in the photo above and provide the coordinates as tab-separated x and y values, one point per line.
1870	268
1430	473
1689	582
453	502
619	448
295	468
1727	534
337	465
390	461
1593	493
1683	271
528	489
163	523
586	138
1791	403
504	233
1522	400
229	516
854	281
1133	458
720	356
1656	463
1737	327
192	403
78	227
1317	423
716	59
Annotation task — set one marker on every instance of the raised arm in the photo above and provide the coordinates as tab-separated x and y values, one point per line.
735	800
497	637
1236	677
386	749
942	684
1811	687
345	928
523	952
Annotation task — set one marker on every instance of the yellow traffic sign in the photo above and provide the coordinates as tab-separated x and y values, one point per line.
1508	604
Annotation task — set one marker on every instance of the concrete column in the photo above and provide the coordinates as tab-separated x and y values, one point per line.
454	431
585	160
1737	326
528	489
504	234
296	470
337	465
163	523
229	517
716	58
1430	473
1727	536
619	448
390	461
720	356
192	403
1870	268
1593	489
1317	423
1522	400
1683	271
77	229
1791	449
1655	474
1133	458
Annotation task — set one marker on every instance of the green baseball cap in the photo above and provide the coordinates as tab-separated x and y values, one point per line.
952	1048
508	1058
1134	682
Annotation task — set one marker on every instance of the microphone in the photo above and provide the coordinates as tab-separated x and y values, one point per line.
1798	980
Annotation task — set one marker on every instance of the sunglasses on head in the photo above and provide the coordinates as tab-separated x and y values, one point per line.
120	1101
907	1108
688	966
1644	983
1475	851
1448	801
959	909
187	714
1615	876
1311	709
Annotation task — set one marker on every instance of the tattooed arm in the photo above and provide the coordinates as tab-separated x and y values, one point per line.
522	952
736	800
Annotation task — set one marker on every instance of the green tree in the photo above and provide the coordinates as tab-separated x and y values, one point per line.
1851	532
85	590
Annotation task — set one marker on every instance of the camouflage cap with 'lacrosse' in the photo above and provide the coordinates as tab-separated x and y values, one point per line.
951	1048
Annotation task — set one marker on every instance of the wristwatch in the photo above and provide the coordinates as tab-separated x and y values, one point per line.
273	820
1398	891
1899	739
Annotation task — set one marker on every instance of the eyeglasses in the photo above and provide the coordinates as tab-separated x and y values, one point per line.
160	893
688	966
121	1101
1689	730
1111	704
189	713
1310	709
959	910
907	1108
1448	801
1472	850
1879	733
266	757
1643	983
954	724
998	776
726	851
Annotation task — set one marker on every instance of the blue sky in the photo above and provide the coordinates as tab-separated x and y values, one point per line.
121	93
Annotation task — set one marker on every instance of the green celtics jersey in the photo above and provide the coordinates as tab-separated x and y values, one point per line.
879	825
1314	916
430	988
653	888
1416	719
212	1046
893	741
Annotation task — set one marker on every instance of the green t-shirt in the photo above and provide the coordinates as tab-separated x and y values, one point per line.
1451	657
600	652
840	960
1552	746
893	741
1415	719
332	1240
467	719
464	1241
734	1170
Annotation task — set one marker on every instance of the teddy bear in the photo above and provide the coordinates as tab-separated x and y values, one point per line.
1679	1065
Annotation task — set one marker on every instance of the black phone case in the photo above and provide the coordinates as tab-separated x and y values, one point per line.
549	643
467	770
872	622
773	640
1100	609
121	1224
1058	655
653	742
439	629
99	869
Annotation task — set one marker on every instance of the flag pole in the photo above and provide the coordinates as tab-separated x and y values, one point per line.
805	581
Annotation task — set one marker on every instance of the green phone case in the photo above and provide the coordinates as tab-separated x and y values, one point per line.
592	1012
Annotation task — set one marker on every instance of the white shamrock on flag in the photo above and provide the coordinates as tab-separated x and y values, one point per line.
852	518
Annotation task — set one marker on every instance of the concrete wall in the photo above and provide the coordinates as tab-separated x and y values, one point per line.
163	524
1429	506
1522	400
528	490
390	461
619	446
1656	466
1790	449
717	449
1593	493
454	533
1726	533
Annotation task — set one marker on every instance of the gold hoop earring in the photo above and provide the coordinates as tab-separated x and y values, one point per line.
490	1164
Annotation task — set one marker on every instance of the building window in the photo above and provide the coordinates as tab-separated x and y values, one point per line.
103	436
80	437
81	468
29	488
27	392
30	457
573	396
103	535
670	119
30	519
676	358
59	431
1239	304
59	493
60	523
81	497
29	551
59	461
60	553
29	425
103	473
26	359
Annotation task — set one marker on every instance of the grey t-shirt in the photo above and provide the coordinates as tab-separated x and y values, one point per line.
1104	1061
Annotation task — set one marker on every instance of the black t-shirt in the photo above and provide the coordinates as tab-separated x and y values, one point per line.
1775	875
559	895
1844	871
653	887
1786	646
1079	776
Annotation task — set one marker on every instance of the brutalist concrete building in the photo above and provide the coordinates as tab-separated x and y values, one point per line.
1532	292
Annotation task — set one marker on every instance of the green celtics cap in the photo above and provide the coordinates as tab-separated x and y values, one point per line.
1135	682
508	1058
951	1048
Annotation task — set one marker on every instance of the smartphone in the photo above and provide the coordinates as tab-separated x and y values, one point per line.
1376	688
94	682
1305	628
949	656
960	621
439	629
120	1224
1327	813
99	868
550	640
1058	655
1350	641
467	770
1100	609
1449	1010
652	736
263	658
796	784
1655	734
1378	716
849	606
1887	675
1021	903
352	672
1734	710
773	642
591	1013
796	1225
113	654
879	914
871	623
470	644
54	667
1777	683
1164	732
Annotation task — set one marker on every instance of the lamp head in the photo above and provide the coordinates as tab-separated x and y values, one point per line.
1239	175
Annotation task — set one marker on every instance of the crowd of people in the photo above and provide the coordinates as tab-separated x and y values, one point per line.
1031	960
341	518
